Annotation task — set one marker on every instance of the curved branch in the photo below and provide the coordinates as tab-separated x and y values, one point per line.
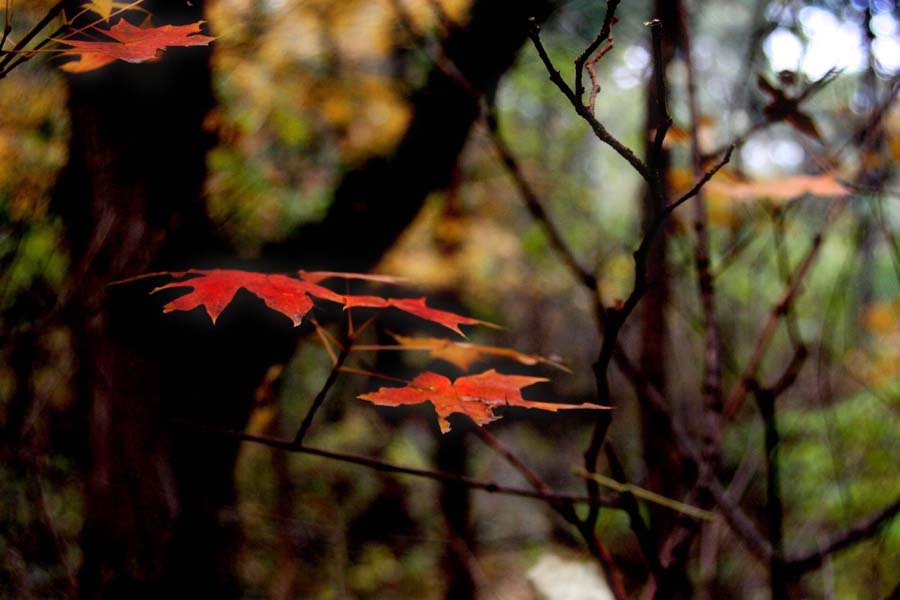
805	561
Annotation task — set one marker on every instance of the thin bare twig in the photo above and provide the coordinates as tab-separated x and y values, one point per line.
595	82
533	202
765	399
598	128
662	109
733	402
711	388
605	32
645	537
54	12
695	189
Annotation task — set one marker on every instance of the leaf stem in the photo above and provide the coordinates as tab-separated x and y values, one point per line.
320	397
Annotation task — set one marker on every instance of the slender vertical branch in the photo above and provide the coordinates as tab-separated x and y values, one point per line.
662	109
591	460
765	399
764	338
712	377
645	537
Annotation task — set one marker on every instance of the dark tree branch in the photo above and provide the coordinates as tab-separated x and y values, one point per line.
765	399
377	200
320	397
591	462
695	189
9	55
596	126
662	109
645	537
768	329
802	562
386	467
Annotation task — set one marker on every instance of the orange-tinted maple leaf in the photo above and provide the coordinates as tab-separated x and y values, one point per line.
216	288
130	43
463	354
475	396
417	307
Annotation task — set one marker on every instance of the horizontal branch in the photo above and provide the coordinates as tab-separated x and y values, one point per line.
386	467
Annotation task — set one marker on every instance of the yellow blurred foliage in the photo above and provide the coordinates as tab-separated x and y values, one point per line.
881	363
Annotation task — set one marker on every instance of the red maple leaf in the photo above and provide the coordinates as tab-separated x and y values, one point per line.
131	43
292	297
417	307
215	289
475	396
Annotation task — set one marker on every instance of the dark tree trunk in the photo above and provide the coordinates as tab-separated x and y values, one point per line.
665	471
156	496
158	493
375	203
663	467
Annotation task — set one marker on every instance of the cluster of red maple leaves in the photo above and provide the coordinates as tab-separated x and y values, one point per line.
476	396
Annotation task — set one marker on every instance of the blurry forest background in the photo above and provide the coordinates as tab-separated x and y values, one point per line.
356	135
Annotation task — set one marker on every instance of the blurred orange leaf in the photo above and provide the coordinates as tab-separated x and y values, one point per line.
463	354
784	189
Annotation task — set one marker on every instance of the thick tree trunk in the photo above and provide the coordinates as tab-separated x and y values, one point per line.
663	467
155	522
158	493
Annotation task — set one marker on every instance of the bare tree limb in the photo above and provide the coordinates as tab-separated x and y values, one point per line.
608	21
533	203
801	562
386	467
596	126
